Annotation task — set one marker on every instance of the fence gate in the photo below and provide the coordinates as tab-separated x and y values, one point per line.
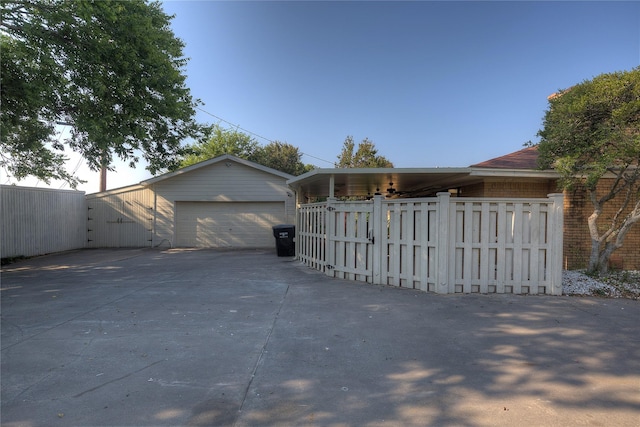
311	235
350	240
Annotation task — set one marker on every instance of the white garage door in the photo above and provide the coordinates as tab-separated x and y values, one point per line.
227	224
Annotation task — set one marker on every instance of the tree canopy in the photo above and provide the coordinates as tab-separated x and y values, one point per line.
276	155
111	70
219	141
283	157
591	136
366	156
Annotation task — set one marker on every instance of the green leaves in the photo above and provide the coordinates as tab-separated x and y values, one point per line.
219	141
276	155
591	136
283	157
111	69
366	156
593	127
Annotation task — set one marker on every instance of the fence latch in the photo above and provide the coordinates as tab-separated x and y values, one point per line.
331	208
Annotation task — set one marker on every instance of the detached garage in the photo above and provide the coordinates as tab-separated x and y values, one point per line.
226	202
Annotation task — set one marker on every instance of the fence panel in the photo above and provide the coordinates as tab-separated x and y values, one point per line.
311	235
500	246
37	221
409	244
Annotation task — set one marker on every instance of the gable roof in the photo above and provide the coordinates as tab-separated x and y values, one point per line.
527	158
205	163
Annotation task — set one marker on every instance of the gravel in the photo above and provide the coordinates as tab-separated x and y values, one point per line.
619	284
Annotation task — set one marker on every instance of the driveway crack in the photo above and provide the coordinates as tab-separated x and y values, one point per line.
259	359
118	379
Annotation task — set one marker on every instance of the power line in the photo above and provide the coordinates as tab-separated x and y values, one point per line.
257	135
318	158
234	125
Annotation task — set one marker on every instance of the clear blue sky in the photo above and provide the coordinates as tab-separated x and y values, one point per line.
430	83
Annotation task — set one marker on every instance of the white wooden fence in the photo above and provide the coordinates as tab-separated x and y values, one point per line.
441	244
37	221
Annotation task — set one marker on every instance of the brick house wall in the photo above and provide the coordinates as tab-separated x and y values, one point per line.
577	242
514	187
578	207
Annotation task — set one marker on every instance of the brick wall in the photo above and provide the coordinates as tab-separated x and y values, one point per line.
499	187
577	208
577	241
475	190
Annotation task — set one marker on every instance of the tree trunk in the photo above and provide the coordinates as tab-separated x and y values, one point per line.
594	258
603	261
103	178
599	259
103	172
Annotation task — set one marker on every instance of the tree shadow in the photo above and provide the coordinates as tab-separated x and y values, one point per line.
283	345
417	359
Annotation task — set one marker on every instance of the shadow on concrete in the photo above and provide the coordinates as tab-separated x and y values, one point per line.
207	338
416	359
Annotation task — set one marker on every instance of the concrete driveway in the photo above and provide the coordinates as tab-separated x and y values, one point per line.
244	338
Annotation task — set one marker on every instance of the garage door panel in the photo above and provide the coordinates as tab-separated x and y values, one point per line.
227	224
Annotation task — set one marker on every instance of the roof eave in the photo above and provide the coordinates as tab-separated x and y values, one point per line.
373	171
518	173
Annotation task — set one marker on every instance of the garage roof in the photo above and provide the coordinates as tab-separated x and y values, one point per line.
407	182
223	158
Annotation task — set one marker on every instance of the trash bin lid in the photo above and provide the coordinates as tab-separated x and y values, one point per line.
283	226
283	230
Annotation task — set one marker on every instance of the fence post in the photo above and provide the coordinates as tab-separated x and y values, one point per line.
556	231
442	244
379	224
298	224
330	233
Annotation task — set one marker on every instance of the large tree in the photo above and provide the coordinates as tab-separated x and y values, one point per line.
591	136
283	157
365	156
111	70
218	141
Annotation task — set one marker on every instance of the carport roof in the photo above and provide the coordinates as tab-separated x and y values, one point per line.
405	181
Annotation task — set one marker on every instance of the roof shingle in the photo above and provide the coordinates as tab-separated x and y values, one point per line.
527	158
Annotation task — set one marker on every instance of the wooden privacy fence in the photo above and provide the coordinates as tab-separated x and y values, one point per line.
441	244
37	221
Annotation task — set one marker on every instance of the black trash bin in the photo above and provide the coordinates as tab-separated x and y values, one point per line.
284	234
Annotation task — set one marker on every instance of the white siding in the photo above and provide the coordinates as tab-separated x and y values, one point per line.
226	181
37	221
121	218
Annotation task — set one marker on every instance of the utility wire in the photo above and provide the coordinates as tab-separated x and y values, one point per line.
234	125
256	135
